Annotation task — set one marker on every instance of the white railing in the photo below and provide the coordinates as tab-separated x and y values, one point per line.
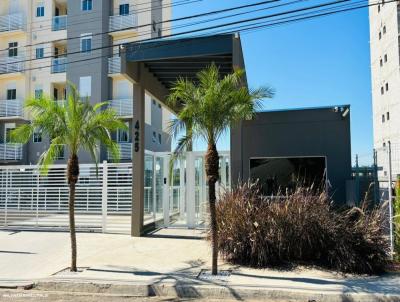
59	23
114	65
125	150
12	64
10	152
119	22
11	108
58	65
123	107
12	22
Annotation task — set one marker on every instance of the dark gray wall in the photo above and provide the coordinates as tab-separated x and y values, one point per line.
307	132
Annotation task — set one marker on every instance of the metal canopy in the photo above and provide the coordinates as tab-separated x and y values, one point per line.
168	60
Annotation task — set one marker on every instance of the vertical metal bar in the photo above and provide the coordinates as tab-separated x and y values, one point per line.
37	200
390	181
182	207
6	201
190	189
166	200
104	195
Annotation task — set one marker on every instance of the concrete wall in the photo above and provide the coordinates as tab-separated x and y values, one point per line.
308	132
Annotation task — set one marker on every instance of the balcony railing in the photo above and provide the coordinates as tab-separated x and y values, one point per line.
9	152
119	22
11	108
12	22
114	65
58	65
12	64
59	23
125	150
123	107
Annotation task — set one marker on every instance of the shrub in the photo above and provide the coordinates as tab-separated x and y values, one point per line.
302	227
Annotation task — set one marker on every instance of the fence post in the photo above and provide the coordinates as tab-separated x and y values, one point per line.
190	190
104	193
6	201
390	181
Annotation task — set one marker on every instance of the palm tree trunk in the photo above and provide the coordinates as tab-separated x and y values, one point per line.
72	175
212	172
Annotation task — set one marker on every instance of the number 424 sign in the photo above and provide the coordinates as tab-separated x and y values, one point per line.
137	136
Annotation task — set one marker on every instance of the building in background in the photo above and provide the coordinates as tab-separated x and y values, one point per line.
385	73
46	43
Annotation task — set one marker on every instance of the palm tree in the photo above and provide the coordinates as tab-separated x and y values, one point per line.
207	108
76	125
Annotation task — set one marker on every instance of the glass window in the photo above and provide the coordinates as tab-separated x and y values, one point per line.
123	135
382	90
385	58
61	152
85	86
380	35
13	49
384	29
39	53
124	9
383	118
37	136
11	94
87	5
40	10
387	86
387	116
159	138
154	137
86	43
381	62
38	93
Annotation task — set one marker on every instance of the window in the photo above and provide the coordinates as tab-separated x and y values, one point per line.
384	145
154	102
379	8
383	118
159	138
387	116
385	58
384	29
380	35
154	26
85	86
11	94
123	135
159	32
382	90
38	93
86	42
39	53
124	9
37	136
159	106
381	62
13	49
61	152
87	5
154	137
387	86
40	10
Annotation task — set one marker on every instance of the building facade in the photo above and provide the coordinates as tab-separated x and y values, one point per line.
385	75
44	44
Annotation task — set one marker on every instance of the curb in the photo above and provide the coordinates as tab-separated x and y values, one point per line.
193	291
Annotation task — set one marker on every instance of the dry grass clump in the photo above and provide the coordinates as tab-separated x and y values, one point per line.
302	227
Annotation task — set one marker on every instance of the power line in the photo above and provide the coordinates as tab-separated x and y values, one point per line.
157	23
205	29
232	30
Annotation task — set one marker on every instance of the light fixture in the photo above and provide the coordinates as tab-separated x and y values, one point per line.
346	112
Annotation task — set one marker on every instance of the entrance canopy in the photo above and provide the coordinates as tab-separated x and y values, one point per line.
158	64
154	66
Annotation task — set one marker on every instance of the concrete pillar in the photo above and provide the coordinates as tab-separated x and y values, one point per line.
138	140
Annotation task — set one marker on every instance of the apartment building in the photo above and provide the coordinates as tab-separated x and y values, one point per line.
385	73
46	43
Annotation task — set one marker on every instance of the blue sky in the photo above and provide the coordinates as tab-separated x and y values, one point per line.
319	62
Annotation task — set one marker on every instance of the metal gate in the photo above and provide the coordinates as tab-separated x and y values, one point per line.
173	197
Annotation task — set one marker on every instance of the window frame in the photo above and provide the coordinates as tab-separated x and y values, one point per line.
39	52
86	5
37	137
122	9
13	95
40	12
82	80
85	38
13	49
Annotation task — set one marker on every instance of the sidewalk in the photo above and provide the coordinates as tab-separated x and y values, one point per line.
168	266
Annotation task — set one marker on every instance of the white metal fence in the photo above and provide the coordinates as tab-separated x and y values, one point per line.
12	64
11	108
30	200
59	23
123	107
12	22
10	152
119	22
114	65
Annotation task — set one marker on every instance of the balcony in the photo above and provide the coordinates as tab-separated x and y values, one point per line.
123	22
125	150
58	65
114	65
59	23
12	64
10	152
11	108
123	107
12	22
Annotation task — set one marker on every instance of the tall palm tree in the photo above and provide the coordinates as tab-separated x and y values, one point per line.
209	106
77	125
